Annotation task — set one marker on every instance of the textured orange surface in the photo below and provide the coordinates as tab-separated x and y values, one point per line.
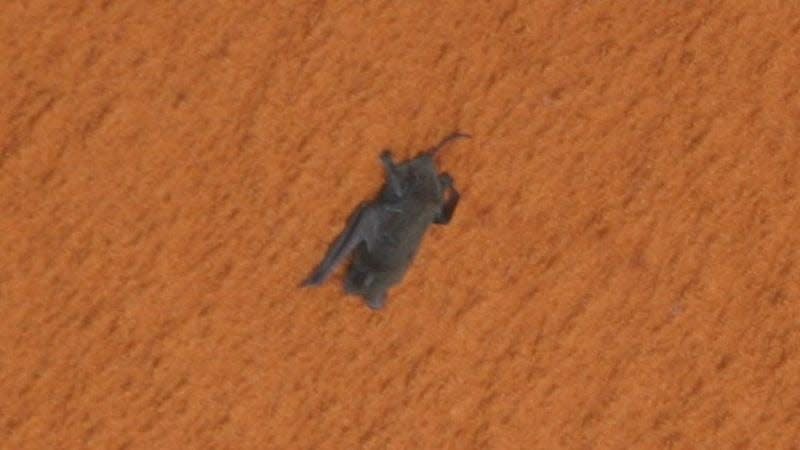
622	271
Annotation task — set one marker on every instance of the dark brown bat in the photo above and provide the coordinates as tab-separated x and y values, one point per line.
383	235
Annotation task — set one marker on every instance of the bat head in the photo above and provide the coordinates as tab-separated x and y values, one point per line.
371	285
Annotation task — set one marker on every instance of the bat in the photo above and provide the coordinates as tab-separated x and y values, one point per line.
383	235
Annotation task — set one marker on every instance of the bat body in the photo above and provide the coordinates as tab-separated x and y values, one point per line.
383	235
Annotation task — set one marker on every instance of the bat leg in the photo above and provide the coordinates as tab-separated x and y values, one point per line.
452	137
362	227
392	176
449	206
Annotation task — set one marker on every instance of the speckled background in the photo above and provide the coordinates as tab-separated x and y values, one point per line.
622	271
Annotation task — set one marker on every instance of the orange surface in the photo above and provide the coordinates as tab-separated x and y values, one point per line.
622	271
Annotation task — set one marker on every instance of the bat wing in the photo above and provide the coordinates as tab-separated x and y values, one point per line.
362	226
449	206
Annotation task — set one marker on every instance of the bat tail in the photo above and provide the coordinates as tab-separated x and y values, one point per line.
449	139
